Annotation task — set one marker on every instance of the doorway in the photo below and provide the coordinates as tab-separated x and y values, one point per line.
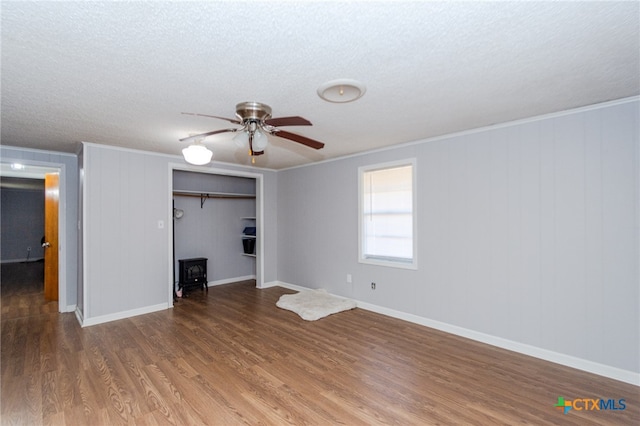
22	181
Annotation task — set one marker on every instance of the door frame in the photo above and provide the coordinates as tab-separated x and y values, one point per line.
60	168
259	218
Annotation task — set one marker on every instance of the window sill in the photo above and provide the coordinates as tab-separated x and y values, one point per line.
390	264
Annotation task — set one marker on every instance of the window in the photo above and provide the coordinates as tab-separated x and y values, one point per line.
388	214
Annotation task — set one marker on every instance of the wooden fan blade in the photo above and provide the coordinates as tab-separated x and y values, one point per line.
288	121
298	138
213	116
204	135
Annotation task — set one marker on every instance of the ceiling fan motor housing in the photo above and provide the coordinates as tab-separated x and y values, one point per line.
253	111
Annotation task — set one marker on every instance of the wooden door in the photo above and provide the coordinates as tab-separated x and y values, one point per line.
51	203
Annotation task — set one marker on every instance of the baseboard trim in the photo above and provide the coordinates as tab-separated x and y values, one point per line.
69	308
79	315
87	322
610	372
23	260
285	285
230	280
545	354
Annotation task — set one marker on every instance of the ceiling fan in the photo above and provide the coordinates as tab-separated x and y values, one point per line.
256	121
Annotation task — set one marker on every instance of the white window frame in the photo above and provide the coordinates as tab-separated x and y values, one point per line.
404	264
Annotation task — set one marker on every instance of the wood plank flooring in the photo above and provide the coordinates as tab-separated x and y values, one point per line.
230	356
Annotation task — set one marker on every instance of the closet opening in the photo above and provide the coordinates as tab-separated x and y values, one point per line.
216	229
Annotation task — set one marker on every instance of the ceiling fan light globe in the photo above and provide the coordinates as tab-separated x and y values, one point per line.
198	155
242	140
260	141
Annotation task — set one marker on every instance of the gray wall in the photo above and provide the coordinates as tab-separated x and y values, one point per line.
22	221
125	251
68	202
127	256
213	229
527	232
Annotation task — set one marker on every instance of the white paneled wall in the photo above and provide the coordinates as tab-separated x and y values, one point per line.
528	233
125	248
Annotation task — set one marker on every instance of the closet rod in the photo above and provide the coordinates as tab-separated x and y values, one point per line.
206	195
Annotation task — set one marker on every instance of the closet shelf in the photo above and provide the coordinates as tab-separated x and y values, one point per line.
206	195
212	194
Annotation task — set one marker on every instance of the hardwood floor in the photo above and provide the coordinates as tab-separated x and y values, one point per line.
230	356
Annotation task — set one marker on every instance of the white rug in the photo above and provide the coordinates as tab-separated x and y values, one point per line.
314	304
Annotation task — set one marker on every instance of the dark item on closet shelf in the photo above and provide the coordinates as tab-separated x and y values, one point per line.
249	245
249	230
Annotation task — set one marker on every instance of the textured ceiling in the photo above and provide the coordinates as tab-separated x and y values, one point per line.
120	73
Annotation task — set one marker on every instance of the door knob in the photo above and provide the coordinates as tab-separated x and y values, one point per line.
46	244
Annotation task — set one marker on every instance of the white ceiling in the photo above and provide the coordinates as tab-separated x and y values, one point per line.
120	73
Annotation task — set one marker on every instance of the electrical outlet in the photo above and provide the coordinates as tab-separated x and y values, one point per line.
373	286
